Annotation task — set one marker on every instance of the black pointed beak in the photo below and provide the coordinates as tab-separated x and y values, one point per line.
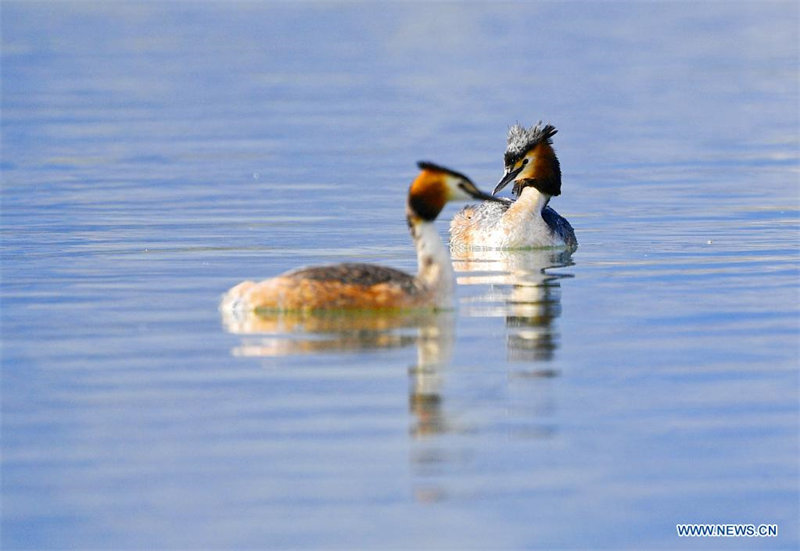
475	193
507	177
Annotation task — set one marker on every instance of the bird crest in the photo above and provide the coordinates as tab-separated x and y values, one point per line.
521	140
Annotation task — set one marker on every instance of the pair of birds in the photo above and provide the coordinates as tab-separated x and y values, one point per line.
530	162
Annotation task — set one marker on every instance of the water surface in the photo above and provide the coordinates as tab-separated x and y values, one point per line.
154	154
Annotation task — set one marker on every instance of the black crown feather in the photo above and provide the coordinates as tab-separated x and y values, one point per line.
427	165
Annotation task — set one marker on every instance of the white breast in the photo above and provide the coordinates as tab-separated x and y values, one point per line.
514	226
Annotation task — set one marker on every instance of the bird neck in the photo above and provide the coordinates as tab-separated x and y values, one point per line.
530	201
435	270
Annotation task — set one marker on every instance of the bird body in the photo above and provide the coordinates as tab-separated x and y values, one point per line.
339	286
519	224
356	286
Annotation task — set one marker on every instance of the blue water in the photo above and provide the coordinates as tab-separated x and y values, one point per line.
154	154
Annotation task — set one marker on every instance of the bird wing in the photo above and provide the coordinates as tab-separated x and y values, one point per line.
365	275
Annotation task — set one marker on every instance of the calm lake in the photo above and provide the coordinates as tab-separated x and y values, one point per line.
156	153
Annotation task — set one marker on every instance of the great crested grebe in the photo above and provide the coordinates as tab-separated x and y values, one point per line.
368	286
528	222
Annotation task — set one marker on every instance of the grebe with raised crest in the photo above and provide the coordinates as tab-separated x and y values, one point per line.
528	222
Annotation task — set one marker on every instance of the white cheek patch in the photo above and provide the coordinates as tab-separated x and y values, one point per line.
457	193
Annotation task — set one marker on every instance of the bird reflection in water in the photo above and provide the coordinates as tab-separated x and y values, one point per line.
523	291
512	284
279	334
294	333
274	334
434	353
517	286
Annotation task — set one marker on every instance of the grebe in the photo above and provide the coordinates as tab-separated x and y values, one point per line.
531	163
367	286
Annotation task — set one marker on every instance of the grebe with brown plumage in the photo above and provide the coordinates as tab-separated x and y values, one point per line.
528	222
354	286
